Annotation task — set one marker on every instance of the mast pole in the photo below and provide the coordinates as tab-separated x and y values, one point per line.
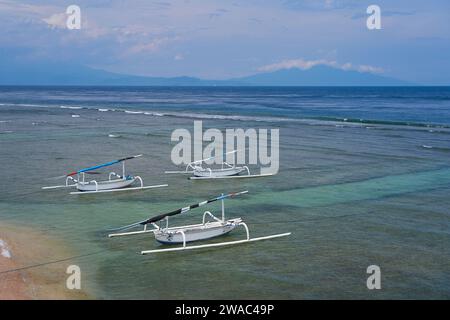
223	209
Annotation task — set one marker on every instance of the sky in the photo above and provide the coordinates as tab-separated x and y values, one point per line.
220	39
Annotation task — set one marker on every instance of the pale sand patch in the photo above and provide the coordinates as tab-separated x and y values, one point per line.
26	247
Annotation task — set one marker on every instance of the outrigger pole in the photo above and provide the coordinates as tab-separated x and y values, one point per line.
178	211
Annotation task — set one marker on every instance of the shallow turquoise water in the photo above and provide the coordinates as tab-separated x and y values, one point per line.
352	194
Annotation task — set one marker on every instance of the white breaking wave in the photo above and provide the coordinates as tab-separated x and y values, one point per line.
177	114
24	105
29	105
157	114
69	107
134	112
228	117
203	115
181	114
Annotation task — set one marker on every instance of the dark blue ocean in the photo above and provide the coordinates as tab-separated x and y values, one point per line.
402	105
364	180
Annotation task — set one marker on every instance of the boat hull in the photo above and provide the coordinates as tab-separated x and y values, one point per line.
105	185
214	173
194	233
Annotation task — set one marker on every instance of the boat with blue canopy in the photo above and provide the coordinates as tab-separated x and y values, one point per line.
116	182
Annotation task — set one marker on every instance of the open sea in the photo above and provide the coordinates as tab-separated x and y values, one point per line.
364	180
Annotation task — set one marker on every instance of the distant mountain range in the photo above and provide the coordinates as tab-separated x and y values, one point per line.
66	74
319	76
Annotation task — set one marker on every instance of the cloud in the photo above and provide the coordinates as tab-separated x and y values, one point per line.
308	64
15	7
218	13
384	13
57	20
178	57
151	46
320	5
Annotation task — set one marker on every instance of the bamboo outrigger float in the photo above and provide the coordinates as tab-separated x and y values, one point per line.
115	182
200	171
209	228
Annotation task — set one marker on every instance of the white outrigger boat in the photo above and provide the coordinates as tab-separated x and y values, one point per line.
114	183
199	170
209	228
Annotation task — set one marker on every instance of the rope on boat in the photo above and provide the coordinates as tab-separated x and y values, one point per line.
51	262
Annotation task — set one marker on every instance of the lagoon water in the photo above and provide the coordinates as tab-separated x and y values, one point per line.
364	180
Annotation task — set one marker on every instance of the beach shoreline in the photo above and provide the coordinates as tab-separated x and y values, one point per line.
20	249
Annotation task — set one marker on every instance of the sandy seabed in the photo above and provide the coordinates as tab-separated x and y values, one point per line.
21	248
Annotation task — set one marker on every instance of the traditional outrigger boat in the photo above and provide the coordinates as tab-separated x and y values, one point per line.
210	227
199	170
115	182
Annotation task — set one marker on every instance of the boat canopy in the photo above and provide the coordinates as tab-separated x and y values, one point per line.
179	211
103	165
